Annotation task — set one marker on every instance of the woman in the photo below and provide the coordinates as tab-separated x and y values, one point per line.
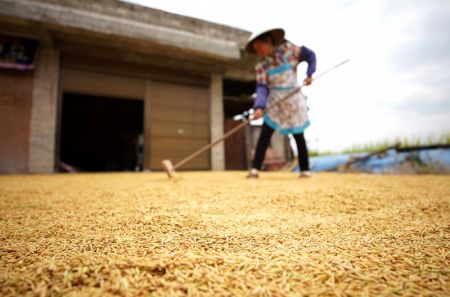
275	77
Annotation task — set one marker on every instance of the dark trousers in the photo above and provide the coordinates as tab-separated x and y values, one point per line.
263	143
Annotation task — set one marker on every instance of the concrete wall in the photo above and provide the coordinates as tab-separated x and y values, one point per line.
15	103
138	13
216	122
138	26
42	149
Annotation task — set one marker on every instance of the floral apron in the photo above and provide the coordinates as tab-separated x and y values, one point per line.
290	115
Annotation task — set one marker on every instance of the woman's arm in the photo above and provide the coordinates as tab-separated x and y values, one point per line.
262	93
308	56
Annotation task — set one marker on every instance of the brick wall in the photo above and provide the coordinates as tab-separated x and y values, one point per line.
15	106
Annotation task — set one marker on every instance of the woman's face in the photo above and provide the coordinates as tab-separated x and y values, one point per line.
262	48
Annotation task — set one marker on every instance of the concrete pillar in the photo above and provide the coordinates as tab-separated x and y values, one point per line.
44	108
216	112
147	123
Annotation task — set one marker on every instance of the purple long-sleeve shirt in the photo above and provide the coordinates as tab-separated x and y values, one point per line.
308	56
262	91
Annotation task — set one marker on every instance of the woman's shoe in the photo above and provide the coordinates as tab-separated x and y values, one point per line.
253	173
305	174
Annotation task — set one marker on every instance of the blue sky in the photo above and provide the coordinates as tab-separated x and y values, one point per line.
397	83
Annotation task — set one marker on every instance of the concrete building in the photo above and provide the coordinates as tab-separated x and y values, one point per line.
111	86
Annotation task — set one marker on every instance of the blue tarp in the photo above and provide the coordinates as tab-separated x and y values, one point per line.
436	160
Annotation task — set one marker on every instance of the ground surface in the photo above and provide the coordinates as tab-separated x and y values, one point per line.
219	234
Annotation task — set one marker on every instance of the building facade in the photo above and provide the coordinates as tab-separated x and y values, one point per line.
112	86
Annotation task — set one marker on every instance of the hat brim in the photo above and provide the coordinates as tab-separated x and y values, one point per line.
277	36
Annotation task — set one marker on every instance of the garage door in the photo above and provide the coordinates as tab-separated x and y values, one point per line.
179	124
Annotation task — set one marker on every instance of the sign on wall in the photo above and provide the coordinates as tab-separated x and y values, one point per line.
17	52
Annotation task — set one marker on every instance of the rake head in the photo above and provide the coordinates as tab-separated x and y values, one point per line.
168	168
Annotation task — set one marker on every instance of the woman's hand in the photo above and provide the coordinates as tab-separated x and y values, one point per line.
258	113
308	81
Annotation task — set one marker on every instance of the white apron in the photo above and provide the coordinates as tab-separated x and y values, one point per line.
291	115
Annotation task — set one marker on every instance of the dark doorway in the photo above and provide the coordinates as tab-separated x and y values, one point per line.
237	99
100	133
235	147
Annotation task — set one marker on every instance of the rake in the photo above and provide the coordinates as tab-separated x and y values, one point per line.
170	169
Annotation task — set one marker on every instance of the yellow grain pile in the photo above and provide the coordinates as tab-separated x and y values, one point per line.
218	234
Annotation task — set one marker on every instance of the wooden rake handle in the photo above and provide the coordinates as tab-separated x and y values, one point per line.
244	123
229	133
